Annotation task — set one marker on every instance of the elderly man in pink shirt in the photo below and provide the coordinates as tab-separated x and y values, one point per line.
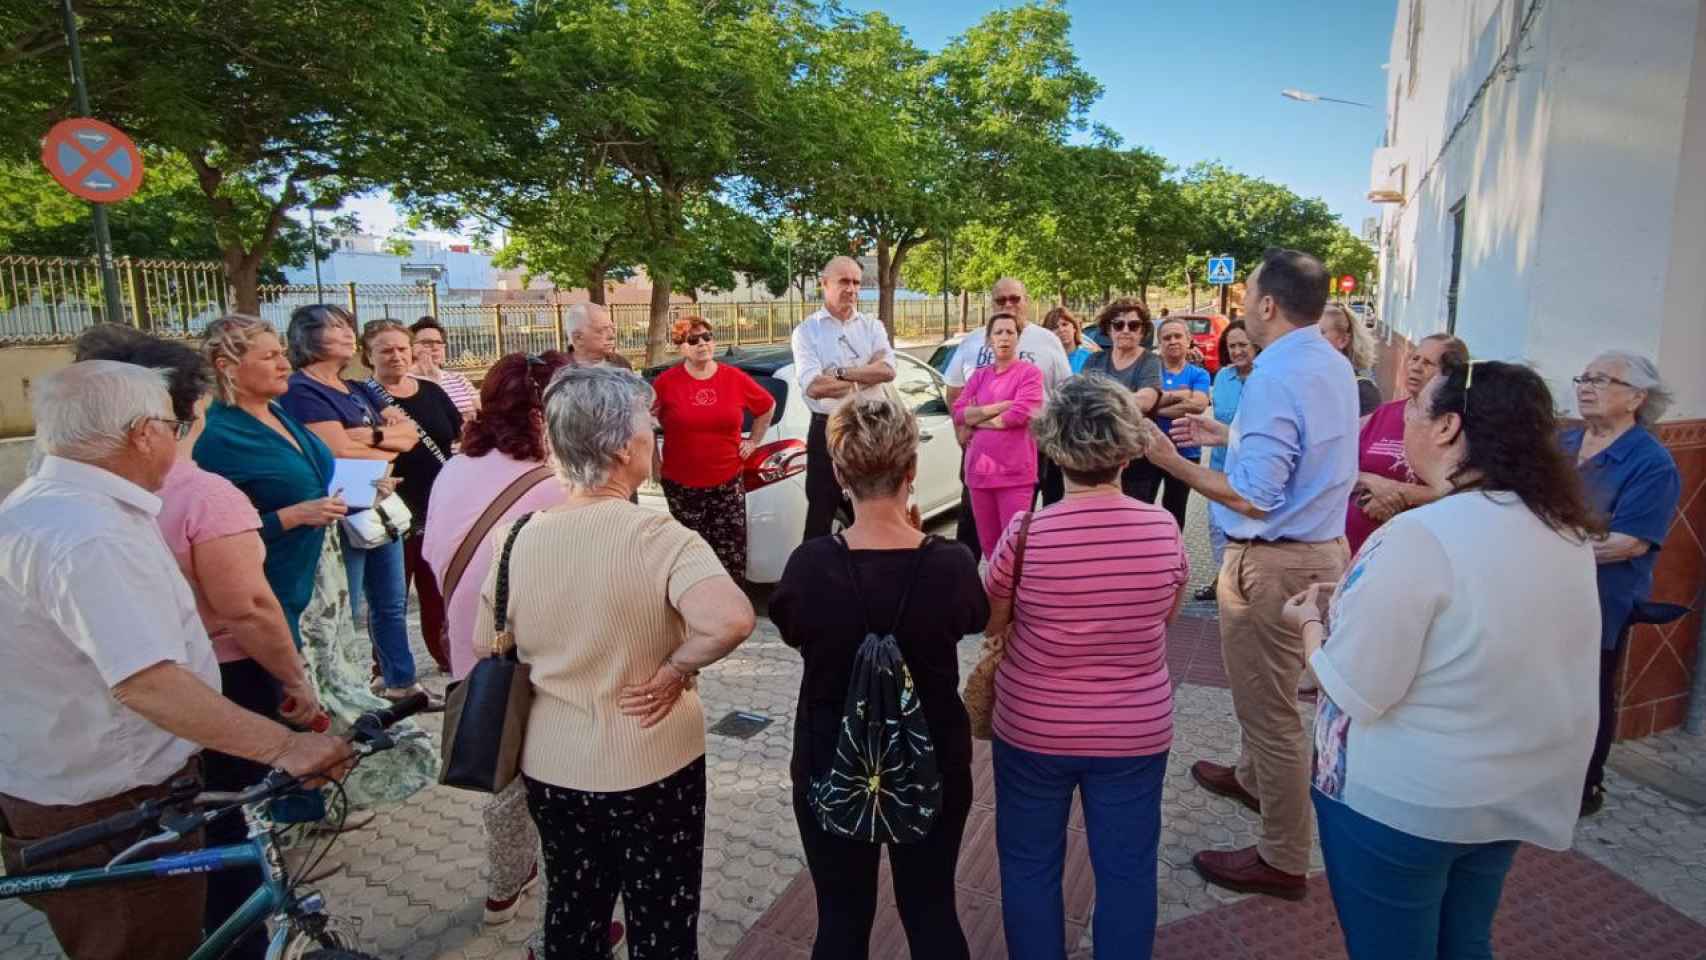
993	414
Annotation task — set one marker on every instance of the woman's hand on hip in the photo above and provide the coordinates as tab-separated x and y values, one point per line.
651	701
746	449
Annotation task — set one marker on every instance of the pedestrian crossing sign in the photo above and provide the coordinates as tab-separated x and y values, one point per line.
1220	270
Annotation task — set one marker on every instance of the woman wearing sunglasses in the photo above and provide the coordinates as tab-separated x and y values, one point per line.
1126	324
701	405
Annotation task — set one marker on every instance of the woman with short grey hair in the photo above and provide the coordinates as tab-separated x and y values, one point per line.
1080	596
1633	482
616	608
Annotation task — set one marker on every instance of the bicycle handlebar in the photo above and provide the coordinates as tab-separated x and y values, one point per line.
367	728
87	835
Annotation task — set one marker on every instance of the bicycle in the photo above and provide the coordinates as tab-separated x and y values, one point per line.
301	928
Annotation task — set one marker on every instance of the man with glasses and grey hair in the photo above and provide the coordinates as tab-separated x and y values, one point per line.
592	337
838	352
109	687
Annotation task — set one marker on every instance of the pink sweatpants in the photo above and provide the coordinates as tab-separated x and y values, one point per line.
993	508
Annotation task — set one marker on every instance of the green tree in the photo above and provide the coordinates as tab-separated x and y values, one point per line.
272	94
902	146
167	219
1346	253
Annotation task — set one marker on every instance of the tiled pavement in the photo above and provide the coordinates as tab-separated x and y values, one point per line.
411	883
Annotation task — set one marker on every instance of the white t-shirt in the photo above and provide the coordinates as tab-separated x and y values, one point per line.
821	342
1036	345
90	596
1461	675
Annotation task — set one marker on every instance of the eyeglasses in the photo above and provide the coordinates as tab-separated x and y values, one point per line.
1599	381
424	342
1012	301
1135	326
180	428
1468	381
695	339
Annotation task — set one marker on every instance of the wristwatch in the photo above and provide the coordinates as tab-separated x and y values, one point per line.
840	373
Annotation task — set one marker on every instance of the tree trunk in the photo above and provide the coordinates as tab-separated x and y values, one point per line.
595	275
657	326
1191	282
243	272
965	308
885	286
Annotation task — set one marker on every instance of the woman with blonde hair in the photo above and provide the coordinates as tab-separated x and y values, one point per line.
880	575
1348	336
284	469
701	408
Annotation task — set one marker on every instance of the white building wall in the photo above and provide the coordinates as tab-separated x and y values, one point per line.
1574	177
1682	343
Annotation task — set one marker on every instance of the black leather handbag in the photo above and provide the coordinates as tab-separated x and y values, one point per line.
485	716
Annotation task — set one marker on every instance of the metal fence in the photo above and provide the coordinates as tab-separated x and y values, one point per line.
44	299
53	299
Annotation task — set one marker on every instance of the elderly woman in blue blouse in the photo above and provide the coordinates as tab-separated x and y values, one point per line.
1633	482
1457	671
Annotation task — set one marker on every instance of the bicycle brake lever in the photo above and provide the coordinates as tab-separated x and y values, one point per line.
164	837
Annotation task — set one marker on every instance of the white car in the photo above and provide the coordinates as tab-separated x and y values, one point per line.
775	476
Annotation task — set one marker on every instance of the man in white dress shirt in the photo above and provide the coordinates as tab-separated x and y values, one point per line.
838	351
1037	345
108	684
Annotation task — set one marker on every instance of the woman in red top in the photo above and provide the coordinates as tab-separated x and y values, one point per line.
700	404
1385	486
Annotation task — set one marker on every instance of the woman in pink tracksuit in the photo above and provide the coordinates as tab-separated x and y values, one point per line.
993	417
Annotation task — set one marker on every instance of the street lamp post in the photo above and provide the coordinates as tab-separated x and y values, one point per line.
1303	96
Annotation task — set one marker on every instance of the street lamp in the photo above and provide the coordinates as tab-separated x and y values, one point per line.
1305	97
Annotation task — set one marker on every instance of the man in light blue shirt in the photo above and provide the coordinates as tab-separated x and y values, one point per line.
1290	465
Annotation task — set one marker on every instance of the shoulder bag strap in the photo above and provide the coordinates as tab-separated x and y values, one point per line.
906	591
518	488
853	579
390	401
1019	541
503	644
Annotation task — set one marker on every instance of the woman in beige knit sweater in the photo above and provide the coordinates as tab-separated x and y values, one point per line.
616	608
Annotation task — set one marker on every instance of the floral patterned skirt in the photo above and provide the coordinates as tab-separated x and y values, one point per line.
339	666
716	513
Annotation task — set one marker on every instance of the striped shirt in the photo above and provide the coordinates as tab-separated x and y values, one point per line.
1085	672
462	392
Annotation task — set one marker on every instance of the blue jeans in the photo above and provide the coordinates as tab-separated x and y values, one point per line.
1122	815
1402	897
376	576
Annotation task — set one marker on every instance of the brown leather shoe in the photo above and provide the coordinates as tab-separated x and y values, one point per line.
1221	779
1246	872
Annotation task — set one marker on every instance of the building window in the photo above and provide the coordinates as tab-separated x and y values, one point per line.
1452	291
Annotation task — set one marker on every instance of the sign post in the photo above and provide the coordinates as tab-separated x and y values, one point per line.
1347	285
1220	272
103	236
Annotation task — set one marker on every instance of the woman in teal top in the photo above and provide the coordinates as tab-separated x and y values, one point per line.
279	465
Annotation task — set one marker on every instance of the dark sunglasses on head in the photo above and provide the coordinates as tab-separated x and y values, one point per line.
1014	300
695	339
1135	326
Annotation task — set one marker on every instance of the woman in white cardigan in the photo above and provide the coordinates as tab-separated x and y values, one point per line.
1458	663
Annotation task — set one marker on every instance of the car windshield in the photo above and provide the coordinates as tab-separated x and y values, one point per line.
1201	326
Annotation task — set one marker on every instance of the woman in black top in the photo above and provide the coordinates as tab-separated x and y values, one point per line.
873	443
1126	324
386	347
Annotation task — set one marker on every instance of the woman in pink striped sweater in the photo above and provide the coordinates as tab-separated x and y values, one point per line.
993	416
1083	700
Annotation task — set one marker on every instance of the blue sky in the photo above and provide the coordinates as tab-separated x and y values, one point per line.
1201	80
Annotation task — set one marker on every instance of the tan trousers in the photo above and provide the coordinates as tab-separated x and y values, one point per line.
1264	660
158	919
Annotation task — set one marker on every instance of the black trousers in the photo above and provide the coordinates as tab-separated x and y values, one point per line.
1051	483
844	871
1607	713
248	685
965	525
823	494
647	844
1140	480
1175	495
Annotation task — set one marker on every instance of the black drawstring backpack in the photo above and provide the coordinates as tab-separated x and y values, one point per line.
883	785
